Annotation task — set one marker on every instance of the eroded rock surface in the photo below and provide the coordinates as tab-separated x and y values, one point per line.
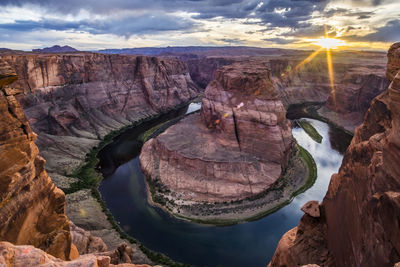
74	100
32	208
235	148
22	256
361	210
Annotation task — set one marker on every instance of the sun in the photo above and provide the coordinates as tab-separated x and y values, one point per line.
328	43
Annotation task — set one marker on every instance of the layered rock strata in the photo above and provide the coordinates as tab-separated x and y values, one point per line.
360	213
73	100
32	208
235	148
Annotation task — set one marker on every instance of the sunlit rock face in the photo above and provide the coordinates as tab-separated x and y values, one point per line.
31	207
74	100
361	210
235	148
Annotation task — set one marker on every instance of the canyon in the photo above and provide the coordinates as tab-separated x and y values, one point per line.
301	76
73	101
359	216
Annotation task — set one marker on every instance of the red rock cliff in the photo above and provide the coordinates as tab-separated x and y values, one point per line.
360	214
32	208
73	100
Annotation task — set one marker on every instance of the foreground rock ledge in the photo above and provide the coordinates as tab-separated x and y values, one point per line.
236	148
360	218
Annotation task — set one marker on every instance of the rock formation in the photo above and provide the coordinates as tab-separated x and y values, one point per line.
360	213
22	256
235	148
32	208
73	100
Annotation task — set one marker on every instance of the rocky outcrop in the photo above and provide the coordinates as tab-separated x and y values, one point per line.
361	211
84	242
21	256
32	208
235	148
74	100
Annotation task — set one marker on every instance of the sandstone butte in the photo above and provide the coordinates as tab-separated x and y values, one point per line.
235	148
360	214
73	100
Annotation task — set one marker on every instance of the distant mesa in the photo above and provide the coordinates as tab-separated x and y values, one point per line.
56	49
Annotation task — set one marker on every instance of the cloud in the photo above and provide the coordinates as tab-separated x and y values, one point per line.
274	13
232	41
125	26
387	33
348	13
280	40
289	13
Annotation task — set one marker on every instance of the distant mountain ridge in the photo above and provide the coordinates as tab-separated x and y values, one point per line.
197	50
56	49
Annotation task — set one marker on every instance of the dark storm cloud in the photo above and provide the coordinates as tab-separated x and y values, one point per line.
348	13
388	33
125	26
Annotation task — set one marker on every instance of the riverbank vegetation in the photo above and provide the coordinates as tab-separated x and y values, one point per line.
310	130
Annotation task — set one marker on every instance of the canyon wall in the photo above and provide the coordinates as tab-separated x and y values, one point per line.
360	215
74	100
358	77
32	208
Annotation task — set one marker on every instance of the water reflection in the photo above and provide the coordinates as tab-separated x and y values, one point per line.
247	244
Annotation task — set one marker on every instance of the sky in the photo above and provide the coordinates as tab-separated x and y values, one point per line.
101	24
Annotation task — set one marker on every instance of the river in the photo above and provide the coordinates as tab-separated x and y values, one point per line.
246	244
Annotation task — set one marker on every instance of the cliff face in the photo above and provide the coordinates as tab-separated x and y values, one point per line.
202	70
31	206
234	149
360	212
73	100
